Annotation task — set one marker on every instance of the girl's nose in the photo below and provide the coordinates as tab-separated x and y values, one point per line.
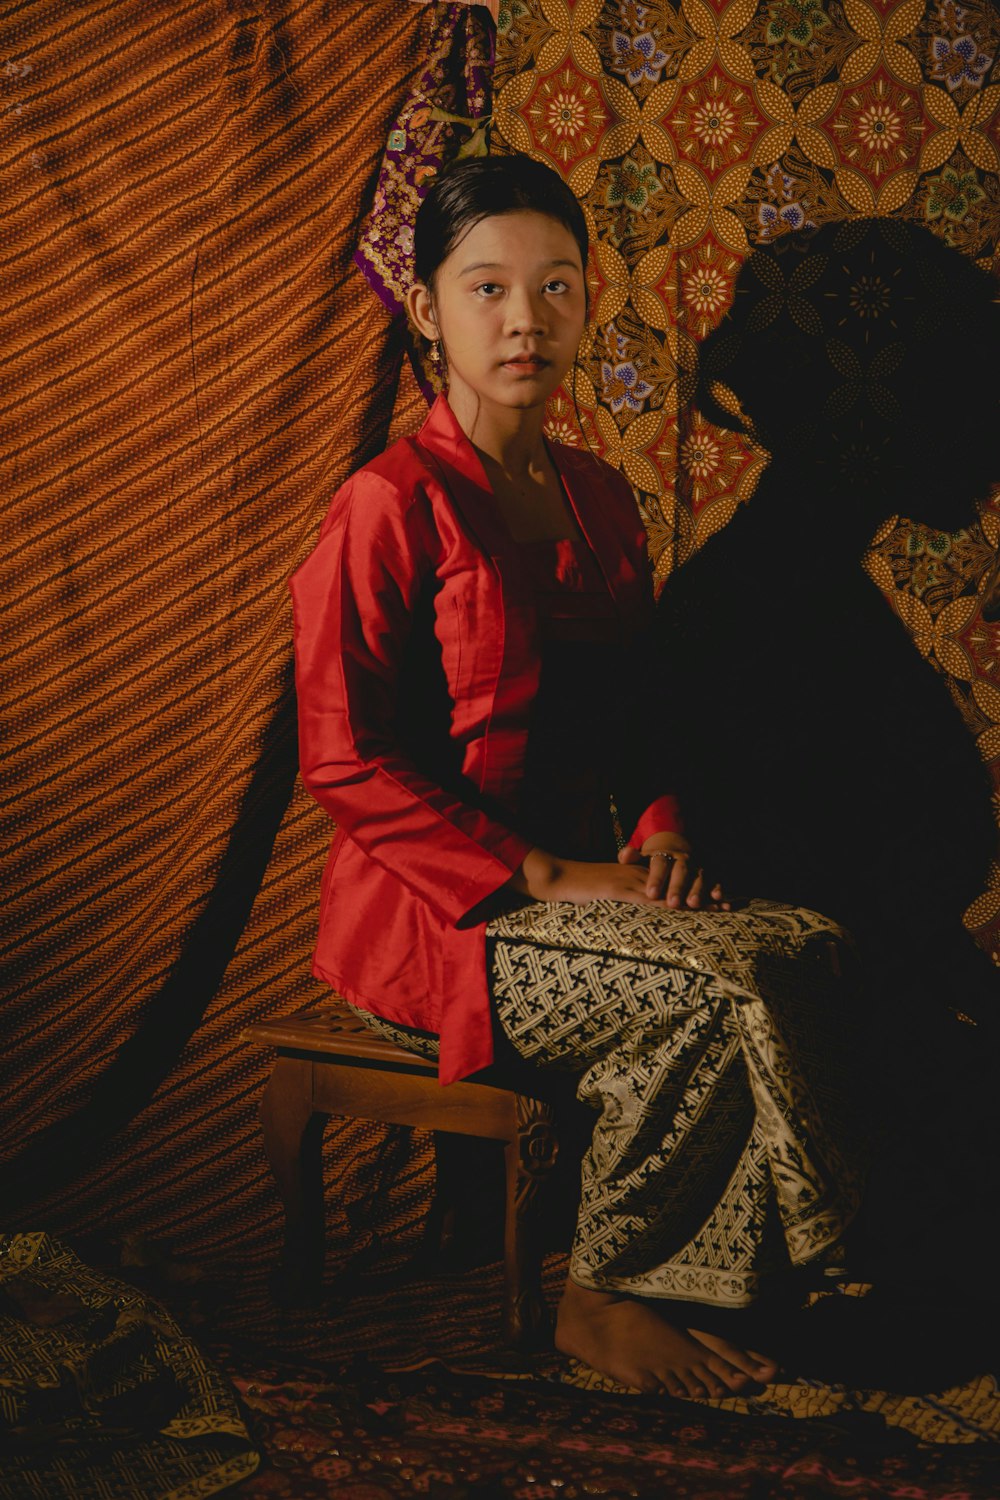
525	314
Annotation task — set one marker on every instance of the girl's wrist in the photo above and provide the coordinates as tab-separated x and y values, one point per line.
670	843
536	874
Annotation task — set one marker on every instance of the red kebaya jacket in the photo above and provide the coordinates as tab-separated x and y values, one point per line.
414	540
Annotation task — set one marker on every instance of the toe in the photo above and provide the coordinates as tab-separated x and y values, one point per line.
739	1360
733	1379
695	1378
711	1382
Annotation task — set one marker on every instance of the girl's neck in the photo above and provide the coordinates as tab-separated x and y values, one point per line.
513	439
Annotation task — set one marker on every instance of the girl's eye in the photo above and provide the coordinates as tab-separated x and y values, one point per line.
556	286
487	288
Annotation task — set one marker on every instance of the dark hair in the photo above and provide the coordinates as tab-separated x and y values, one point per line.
480	187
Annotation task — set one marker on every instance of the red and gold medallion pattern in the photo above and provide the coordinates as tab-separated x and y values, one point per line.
568	116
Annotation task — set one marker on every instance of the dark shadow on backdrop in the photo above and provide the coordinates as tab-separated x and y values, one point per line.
821	758
824	759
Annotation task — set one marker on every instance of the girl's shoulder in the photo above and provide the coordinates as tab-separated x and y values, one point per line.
394	482
402	469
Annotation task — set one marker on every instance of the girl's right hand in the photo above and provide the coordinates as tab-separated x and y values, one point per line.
543	877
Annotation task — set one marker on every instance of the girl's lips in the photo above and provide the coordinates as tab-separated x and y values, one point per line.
527	364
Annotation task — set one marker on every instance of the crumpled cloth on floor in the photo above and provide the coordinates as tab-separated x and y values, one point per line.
101	1393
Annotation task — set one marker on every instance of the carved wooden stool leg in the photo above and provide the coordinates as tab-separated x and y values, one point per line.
530	1158
293	1137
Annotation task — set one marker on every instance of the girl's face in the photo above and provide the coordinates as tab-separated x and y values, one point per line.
509	307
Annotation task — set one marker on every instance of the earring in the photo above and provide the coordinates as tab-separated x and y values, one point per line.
435	353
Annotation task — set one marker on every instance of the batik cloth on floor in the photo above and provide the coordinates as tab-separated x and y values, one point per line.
102	1396
719	1052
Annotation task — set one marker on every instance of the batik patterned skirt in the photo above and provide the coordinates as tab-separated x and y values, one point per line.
721	1055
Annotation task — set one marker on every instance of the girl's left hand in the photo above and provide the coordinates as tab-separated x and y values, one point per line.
674	874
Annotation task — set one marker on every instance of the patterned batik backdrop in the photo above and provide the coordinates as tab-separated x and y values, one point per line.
694	133
191	364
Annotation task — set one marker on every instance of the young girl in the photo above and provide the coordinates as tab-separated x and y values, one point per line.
472	698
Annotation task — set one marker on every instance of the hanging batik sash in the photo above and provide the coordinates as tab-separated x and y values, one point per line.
445	117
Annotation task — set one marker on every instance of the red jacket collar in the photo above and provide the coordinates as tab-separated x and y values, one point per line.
586	478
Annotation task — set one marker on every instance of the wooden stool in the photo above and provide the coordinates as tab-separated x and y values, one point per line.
329	1063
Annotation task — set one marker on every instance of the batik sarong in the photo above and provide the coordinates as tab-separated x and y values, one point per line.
719	1052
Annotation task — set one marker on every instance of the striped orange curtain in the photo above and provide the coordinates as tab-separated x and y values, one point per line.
191	363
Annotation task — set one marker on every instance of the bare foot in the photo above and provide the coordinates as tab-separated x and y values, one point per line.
637	1346
758	1366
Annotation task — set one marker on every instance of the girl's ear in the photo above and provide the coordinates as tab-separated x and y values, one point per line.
420	309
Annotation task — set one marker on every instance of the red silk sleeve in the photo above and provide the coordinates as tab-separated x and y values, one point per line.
661	816
353	599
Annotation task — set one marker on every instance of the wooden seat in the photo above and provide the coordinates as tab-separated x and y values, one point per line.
329	1063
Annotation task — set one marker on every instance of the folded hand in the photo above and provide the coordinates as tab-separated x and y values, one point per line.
674	874
671	880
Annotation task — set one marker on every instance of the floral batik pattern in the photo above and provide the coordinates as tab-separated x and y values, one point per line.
696	131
